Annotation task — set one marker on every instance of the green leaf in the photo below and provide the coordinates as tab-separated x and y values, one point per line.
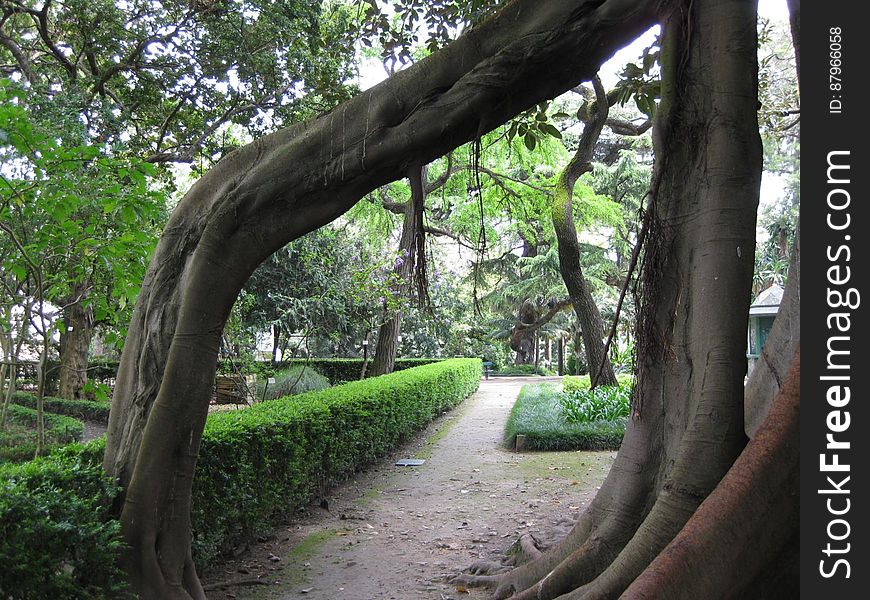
530	140
550	130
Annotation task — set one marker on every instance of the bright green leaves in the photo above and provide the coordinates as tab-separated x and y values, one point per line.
641	82
534	125
72	214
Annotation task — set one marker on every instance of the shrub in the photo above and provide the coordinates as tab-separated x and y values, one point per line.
255	464
336	370
270	459
538	415
601	404
57	538
19	444
297	379
87	410
572	383
524	370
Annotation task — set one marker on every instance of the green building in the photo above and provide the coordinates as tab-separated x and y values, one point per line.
761	315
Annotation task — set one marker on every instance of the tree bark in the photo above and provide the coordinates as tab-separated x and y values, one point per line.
282	186
716	555
79	322
588	315
388	334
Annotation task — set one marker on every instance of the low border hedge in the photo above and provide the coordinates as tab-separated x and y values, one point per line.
336	370
57	536
59	430
259	463
538	415
88	410
255	465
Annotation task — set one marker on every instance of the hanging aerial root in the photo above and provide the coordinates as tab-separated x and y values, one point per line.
751	515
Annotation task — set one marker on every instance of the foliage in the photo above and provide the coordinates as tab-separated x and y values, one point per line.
572	383
71	213
87	410
57	537
537	414
297	379
601	404
165	78
315	294
20	442
272	458
522	370
336	370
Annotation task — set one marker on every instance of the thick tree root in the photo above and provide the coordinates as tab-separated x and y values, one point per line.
751	513
486	573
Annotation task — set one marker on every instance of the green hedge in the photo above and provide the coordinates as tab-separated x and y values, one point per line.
274	457
87	410
538	415
336	370
57	537
98	370
18	447
255	464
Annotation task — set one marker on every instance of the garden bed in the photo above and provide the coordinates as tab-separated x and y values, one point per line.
540	418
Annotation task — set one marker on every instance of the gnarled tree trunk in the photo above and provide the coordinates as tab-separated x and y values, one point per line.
588	315
282	186
388	335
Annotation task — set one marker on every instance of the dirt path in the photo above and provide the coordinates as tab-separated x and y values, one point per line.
394	533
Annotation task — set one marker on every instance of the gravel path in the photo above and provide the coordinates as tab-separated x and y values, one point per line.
395	533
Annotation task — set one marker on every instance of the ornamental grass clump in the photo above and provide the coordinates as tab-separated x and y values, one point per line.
601	404
297	379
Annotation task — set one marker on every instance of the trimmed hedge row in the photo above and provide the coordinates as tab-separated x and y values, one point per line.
537	414
336	370
255	464
87	410
270	459
59	429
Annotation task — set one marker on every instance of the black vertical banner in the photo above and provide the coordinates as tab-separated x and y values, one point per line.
835	229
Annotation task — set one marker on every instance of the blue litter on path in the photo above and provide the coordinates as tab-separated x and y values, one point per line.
410	462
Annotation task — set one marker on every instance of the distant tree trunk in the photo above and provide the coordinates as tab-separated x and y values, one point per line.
588	315
388	335
281	186
523	334
276	344
79	320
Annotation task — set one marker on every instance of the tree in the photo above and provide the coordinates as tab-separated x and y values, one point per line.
251	204
588	315
164	82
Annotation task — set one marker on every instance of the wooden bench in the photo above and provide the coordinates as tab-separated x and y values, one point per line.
230	389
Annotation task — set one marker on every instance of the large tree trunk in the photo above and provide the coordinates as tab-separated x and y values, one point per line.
687	424
282	186
79	322
388	335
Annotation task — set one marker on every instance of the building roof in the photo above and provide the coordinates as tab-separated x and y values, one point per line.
767	302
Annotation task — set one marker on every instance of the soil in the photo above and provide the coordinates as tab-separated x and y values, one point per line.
398	533
93	430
